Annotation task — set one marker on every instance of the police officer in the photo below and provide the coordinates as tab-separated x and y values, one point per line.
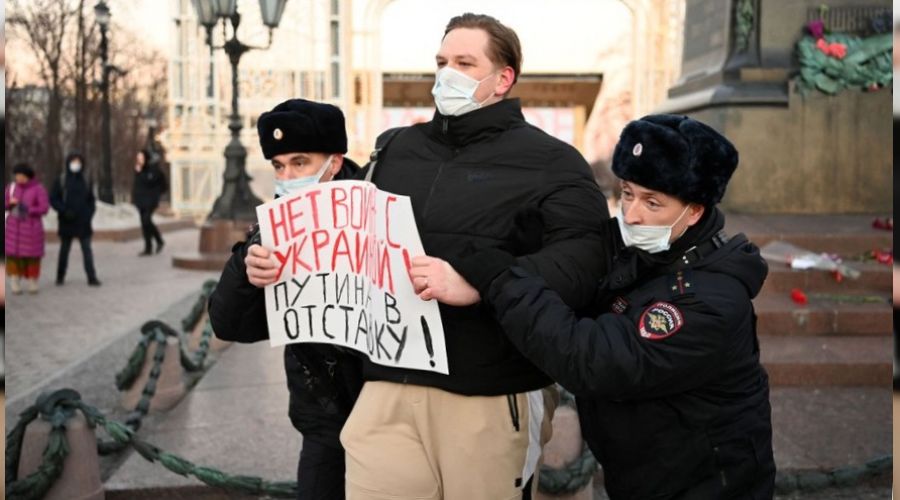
306	142
671	396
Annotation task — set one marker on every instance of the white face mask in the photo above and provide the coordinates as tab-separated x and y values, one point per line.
454	92
651	239
75	166
290	186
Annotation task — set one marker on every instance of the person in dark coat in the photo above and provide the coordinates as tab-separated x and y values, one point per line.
306	142
149	185
671	395
72	198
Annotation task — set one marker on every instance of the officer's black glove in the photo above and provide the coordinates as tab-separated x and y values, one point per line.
481	266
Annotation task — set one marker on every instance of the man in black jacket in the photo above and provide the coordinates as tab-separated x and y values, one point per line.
475	433
306	142
671	396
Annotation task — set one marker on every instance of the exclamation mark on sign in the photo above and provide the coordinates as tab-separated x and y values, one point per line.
428	346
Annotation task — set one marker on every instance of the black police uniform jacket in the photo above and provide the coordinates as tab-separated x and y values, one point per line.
467	177
671	396
323	380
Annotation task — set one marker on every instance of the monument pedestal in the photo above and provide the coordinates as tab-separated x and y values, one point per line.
813	154
216	239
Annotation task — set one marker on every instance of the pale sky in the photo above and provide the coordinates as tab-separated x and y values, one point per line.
564	36
557	36
152	18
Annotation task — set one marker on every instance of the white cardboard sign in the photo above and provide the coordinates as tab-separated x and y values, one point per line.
343	250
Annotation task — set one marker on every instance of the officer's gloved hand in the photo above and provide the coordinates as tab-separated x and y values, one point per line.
480	266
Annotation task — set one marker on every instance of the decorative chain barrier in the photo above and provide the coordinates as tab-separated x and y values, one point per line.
58	407
576	474
193	363
190	321
838	477
152	331
157	331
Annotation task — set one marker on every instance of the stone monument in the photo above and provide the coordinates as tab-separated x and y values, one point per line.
803	154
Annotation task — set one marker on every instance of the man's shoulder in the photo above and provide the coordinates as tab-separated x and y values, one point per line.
534	137
548	151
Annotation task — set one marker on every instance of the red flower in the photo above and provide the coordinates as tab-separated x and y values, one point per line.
884	257
837	50
798	296
822	45
887	223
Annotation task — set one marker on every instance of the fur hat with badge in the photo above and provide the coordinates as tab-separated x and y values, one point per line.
676	155
298	125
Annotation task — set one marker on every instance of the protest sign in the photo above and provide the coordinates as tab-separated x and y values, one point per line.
343	251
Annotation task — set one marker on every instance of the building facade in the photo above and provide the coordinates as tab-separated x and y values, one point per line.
331	51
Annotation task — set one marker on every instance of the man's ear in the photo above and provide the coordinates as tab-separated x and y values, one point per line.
336	163
695	212
505	81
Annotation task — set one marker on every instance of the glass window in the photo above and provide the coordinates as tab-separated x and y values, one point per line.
335	39
335	79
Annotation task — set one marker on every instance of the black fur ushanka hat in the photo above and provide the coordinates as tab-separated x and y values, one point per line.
676	155
298	125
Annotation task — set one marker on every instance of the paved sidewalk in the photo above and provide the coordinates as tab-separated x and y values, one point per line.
64	325
235	420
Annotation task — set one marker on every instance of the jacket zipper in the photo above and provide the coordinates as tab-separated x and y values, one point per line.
430	194
445	124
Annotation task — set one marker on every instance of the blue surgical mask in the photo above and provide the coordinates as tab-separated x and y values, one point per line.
288	187
454	92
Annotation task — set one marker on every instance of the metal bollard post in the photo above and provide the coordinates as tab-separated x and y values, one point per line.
215	344
170	383
564	448
80	478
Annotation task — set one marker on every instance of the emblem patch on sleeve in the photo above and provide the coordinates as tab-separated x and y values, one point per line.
659	321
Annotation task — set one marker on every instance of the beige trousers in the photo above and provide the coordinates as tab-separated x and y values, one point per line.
413	442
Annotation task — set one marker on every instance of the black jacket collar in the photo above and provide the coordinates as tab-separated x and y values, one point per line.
477	125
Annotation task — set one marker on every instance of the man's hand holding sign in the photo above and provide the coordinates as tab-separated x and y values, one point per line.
338	272
435	278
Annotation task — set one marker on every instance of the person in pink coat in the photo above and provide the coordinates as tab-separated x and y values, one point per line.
26	202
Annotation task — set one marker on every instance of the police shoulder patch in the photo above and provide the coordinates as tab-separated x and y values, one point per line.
659	321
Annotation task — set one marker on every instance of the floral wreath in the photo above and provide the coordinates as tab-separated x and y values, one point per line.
832	61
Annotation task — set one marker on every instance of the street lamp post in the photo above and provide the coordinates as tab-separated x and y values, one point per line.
236	205
102	14
236	202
